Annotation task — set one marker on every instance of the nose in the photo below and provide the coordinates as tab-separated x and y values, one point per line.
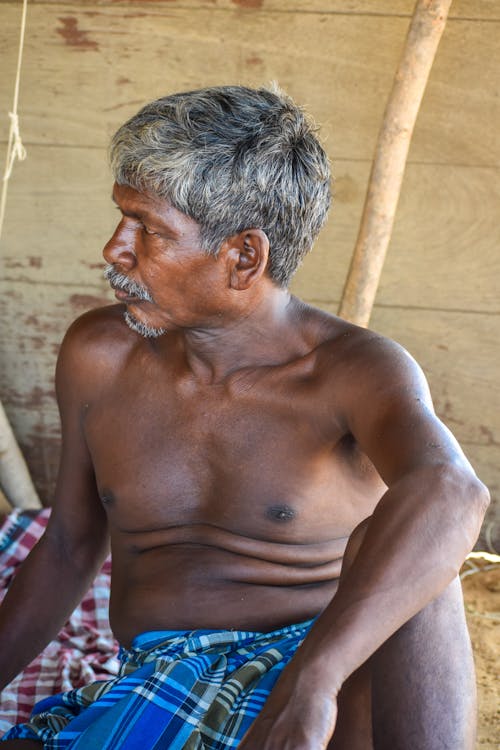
120	248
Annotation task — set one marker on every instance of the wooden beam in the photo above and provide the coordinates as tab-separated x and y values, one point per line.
384	186
5	506
15	479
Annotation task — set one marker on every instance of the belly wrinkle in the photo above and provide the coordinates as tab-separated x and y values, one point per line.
294	553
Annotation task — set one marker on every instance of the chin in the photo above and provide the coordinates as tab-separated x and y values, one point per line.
143	329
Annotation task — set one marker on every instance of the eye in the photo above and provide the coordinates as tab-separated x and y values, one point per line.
149	231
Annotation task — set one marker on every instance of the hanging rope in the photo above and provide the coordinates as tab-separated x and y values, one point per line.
15	148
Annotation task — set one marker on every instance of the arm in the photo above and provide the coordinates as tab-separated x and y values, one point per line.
417	538
423	526
60	568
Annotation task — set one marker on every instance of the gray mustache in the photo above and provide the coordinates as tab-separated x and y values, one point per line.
120	281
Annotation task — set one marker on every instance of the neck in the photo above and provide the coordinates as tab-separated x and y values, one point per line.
265	333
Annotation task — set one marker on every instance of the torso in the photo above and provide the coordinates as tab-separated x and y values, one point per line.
229	505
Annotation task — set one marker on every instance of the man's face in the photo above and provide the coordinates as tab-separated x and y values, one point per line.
158	268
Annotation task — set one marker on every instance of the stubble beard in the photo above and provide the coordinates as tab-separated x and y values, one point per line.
120	281
149	332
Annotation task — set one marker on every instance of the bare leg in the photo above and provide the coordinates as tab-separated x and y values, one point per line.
423	681
418	691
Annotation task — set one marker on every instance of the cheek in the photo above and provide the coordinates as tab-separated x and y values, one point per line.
189	279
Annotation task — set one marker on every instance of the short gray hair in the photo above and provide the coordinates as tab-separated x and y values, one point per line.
232	158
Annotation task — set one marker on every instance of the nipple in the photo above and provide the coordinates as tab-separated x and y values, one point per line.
107	497
280	513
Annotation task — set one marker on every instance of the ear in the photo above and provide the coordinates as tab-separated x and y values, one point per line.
247	255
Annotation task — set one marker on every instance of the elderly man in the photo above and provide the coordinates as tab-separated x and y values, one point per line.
286	514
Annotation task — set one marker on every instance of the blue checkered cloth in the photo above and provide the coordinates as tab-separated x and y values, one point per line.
175	689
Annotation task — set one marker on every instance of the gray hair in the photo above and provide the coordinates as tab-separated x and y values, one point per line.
232	158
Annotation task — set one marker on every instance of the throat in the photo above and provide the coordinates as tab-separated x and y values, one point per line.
261	338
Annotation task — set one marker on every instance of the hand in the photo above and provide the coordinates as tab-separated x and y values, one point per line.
293	718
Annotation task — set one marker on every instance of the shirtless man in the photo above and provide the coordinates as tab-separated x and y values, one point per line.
241	450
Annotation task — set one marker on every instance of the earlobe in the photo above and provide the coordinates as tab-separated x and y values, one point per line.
248	254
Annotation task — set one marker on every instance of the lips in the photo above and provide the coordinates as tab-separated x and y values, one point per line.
124	296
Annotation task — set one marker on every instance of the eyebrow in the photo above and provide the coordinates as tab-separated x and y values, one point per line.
145	216
142	213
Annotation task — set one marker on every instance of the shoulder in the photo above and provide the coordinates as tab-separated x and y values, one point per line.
348	342
362	365
95	346
96	324
101	332
380	390
375	359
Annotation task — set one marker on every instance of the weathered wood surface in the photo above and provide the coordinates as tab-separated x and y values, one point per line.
445	247
90	65
82	73
469	9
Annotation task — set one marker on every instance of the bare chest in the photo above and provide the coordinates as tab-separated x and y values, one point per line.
255	462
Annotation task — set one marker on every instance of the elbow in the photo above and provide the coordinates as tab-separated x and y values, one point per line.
466	500
475	502
482	501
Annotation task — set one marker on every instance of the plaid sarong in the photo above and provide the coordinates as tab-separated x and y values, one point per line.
175	689
84	650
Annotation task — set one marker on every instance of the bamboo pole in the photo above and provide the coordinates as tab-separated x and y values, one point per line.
5	506
384	186
14	476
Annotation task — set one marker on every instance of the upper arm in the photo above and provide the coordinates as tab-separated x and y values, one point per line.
391	415
78	521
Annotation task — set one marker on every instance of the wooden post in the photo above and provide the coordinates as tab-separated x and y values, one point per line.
14	476
5	506
384	186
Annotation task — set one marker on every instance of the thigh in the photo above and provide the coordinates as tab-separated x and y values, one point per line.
418	691
423	681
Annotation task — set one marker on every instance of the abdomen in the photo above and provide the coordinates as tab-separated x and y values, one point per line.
189	585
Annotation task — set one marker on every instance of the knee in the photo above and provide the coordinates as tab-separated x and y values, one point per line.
448	605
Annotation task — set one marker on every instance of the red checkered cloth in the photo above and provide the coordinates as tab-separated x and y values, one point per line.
84	650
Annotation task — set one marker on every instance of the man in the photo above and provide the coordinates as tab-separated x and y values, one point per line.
241	451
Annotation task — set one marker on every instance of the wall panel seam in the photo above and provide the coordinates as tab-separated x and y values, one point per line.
413	308
334	158
154	10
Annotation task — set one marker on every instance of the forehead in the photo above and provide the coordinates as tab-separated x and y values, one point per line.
148	206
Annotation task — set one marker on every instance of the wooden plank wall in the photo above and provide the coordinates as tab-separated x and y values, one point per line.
89	65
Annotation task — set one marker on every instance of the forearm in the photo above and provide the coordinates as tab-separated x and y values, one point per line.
47	588
414	545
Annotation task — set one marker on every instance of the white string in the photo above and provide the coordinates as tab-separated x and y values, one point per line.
15	147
